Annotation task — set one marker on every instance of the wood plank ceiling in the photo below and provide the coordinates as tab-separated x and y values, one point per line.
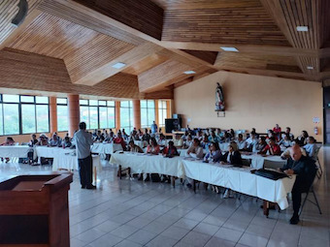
159	39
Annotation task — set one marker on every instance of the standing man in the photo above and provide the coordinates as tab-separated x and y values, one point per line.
305	169
154	128
83	141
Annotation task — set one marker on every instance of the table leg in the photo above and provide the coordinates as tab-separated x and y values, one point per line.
119	172
194	185
95	175
266	208
173	181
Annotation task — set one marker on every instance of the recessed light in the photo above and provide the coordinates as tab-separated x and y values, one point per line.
302	28
229	49
189	72
310	67
118	65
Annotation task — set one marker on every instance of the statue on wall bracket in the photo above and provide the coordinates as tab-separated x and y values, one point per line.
219	99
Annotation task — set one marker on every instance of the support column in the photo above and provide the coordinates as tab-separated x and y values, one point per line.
169	108
137	114
53	114
117	115
156	113
74	113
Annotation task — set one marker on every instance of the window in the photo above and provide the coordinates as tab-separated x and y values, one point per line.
126	116
147	113
22	114
62	114
162	112
97	114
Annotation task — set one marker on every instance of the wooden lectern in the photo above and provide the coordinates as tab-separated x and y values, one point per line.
34	210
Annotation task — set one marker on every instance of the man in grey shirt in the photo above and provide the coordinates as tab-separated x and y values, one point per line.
83	141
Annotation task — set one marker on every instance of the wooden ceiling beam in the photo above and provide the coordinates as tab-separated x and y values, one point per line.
129	58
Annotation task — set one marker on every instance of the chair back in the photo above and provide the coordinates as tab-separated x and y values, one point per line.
274	164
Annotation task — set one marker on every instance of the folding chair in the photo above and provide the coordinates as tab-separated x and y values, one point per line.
318	164
316	202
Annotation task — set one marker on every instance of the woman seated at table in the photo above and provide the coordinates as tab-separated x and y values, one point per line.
260	145
311	147
120	140
170	150
188	142
285	142
178	142
55	141
242	144
43	140
134	148
214	154
233	157
161	141
153	147
272	148
195	150
205	143
302	139
9	142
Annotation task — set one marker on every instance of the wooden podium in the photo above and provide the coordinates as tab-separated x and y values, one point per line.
34	210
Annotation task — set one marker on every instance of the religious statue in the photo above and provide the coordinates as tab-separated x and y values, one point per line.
219	99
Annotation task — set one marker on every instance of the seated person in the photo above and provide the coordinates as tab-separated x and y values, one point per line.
251	141
195	150
214	154
305	169
213	137
205	142
124	134
170	150
178	142
120	140
285	142
185	135
302	139
43	140
188	142
272	148
110	137
286	153
66	142
232	156
277	131
33	140
288	131
8	142
134	148
97	136
271	134
55	141
311	148
145	138
242	144
260	145
162	141
153	147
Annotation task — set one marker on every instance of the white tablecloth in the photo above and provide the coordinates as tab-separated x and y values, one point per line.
257	160
143	163
241	180
105	148
14	151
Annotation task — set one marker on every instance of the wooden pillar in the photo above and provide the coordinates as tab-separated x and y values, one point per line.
169	108
53	114
117	104
156	113
74	113
137	114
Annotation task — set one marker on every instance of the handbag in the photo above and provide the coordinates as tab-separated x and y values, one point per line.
271	174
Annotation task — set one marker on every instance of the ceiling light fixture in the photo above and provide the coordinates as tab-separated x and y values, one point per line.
189	72
118	65
229	49
310	67
302	28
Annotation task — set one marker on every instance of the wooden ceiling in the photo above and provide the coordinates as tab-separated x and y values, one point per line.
160	39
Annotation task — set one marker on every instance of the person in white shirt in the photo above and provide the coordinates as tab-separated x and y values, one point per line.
311	148
195	150
83	141
251	141
178	142
242	144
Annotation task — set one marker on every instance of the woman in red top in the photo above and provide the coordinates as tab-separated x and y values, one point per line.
277	131
272	147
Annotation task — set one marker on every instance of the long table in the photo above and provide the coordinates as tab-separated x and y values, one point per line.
241	180
258	161
14	151
105	148
144	163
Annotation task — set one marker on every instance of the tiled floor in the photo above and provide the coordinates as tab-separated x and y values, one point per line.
133	213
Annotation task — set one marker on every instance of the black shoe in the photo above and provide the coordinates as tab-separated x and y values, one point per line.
91	187
189	185
83	187
294	220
